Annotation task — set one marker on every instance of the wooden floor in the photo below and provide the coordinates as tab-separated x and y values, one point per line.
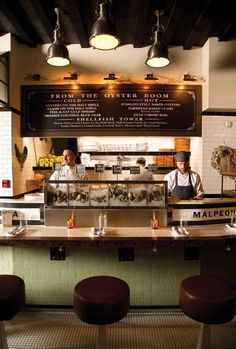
58	329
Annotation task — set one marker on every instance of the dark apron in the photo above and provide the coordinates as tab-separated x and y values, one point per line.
183	192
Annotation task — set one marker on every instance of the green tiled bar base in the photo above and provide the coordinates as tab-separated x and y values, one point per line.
153	277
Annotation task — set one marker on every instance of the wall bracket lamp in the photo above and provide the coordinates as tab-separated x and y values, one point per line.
189	77
73	76
158	55
103	33
150	76
58	54
111	76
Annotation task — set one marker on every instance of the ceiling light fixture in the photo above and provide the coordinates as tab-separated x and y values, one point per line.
158	55
103	33
58	54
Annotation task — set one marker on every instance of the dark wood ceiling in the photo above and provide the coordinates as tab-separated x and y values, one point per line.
187	23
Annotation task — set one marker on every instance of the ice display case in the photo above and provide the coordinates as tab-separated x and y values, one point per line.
105	194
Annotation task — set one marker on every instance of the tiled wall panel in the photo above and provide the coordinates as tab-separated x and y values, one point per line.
153	278
5	152
6	260
215	133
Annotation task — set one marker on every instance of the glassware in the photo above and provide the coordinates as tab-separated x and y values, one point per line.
7	218
154	220
233	219
184	220
184	223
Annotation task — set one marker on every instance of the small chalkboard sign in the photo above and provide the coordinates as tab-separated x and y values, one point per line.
116	169
99	168
81	169
57	166
134	170
153	168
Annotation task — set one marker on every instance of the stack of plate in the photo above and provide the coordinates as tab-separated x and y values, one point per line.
88	146
34	197
142	146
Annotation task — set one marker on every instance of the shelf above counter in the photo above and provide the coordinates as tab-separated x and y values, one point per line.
161	169
122	152
42	168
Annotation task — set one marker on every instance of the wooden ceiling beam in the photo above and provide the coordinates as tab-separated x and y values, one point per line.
224	36
76	23
41	24
140	22
189	42
12	25
171	25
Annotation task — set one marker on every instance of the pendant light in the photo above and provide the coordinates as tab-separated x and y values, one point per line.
158	55
58	54
103	33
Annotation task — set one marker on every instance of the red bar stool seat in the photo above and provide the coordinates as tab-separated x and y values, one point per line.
101	300
209	300
12	300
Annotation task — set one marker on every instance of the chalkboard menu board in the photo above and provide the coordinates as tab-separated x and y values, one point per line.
60	110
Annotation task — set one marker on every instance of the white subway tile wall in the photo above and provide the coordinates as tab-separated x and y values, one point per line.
20	175
10	168
154	144
215	132
6	152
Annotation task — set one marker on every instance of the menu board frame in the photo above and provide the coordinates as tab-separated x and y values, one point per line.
123	109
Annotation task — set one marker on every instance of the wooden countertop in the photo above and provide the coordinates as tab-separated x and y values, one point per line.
116	236
205	201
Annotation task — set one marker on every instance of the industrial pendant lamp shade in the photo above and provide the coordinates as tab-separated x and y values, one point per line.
58	54
158	55
103	33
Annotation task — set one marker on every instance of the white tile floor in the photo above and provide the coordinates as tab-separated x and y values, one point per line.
42	329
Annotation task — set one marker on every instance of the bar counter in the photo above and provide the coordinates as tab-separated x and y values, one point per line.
160	259
117	236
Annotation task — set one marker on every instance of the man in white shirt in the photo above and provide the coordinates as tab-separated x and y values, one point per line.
144	175
70	171
183	183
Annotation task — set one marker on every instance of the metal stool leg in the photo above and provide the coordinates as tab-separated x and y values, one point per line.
204	339
102	337
3	337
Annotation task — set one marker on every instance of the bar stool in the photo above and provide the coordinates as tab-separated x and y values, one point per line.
209	300
12	300
101	300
